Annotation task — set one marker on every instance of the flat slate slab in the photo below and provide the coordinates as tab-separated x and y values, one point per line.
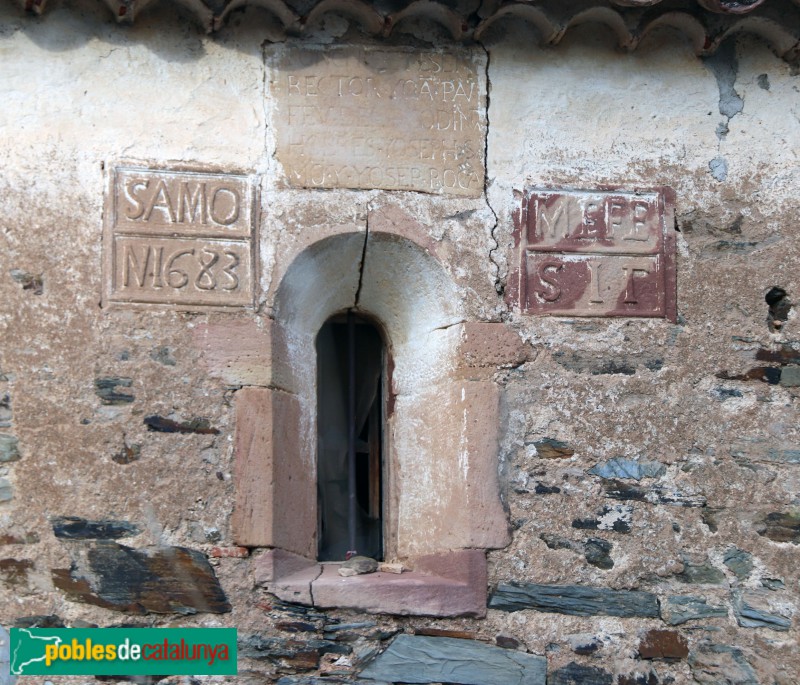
418	659
678	609
575	600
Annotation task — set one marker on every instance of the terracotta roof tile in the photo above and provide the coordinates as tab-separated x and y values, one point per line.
706	22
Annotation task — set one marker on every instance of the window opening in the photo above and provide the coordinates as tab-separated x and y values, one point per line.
350	361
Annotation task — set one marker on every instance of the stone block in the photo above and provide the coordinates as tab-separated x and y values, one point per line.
678	609
6	490
75	528
106	389
574	600
790	376
458	452
418	659
160	580
275	502
702	573
777	526
491	346
753	609
620	467
410	139
714	664
549	448
739	562
9	448
663	644
576	674
237	351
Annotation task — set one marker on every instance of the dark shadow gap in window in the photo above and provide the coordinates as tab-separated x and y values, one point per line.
333	483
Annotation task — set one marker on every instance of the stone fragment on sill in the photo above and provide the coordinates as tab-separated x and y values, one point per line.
447	584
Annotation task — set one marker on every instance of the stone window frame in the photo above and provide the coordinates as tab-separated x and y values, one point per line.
442	366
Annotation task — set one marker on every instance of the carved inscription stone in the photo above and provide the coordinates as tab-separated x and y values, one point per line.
595	253
179	238
367	118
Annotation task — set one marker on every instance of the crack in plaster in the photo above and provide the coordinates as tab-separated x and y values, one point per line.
362	263
725	67
498	286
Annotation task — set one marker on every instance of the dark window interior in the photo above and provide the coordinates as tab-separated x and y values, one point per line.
350	363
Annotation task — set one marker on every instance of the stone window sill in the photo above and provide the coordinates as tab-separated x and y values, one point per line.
444	585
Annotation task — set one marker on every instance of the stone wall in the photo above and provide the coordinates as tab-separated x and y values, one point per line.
647	468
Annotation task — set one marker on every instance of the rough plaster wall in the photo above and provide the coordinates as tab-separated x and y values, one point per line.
79	92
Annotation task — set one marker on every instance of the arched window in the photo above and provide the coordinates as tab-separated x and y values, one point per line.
350	363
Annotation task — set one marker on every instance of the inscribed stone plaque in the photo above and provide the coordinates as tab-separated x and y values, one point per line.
180	238
370	118
595	253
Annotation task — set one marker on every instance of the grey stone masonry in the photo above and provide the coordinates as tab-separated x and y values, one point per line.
575	600
678	609
418	659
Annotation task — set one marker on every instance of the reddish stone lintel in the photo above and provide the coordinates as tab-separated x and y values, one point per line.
446	585
595	253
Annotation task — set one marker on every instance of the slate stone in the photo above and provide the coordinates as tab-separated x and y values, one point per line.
163	355
541	489
714	664
301	654
678	609
39	621
628	468
106	390
75	528
557	542
780	527
160	424
5	410
616	489
739	562
627	365
9	448
575	600
701	574
640	679
598	553
417	659
6	491
663	495
749	450
5	659
773	584
158	580
575	674
790	376
548	448
752	611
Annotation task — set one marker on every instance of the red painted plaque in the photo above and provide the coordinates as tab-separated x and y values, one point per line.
595	253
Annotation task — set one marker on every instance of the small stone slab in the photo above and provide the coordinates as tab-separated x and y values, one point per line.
75	528
106	389
6	491
702	574
357	566
714	664
418	659
9	448
575	674
628	468
752	611
739	562
678	609
549	448
574	600
777	526
158	580
663	644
